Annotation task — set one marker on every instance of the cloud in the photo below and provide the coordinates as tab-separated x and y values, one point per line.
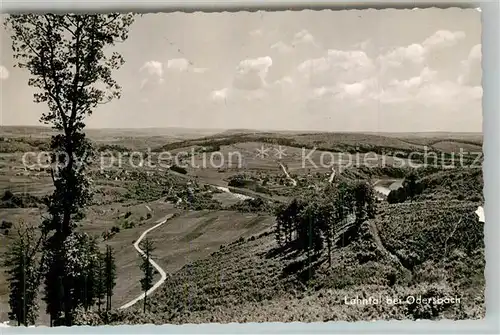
180	64
184	65
200	70
304	37
333	83
255	33
337	66
414	53
472	70
231	94
219	95
154	74
4	73
418	53
443	39
426	90
282	47
251	73
153	68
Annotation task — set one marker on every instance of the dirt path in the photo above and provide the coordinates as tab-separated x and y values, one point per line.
156	266
294	182
330	179
378	241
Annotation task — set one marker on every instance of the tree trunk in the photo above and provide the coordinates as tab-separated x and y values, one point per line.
329	253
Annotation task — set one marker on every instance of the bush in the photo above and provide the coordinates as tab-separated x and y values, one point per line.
178	169
7	195
148	216
11	200
6	225
237	181
115	229
127	215
128	224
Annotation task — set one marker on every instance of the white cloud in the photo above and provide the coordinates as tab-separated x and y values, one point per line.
255	33
230	94
418	53
282	47
4	73
180	64
220	95
287	80
251	73
443	39
337	66
362	45
414	53
339	81
472	70
153	68
154	74
200	70
304	37
426	90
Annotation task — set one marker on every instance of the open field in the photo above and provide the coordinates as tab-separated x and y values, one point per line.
220	252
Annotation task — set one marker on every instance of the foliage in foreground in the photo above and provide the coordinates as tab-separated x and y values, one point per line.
72	73
22	266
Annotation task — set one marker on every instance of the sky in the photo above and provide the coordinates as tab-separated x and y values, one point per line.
353	70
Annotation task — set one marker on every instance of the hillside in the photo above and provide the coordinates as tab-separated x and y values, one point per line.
247	281
220	251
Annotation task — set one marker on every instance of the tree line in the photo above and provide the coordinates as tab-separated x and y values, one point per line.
92	274
310	223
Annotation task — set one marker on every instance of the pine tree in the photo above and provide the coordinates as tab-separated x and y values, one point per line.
100	286
22	269
147	268
109	275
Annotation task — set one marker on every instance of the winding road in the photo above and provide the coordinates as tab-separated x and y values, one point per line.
155	265
332	176
294	182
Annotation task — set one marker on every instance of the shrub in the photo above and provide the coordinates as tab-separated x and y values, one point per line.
128	224
7	195
115	229
127	215
178	169
6	225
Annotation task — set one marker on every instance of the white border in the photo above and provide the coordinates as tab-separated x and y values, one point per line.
491	127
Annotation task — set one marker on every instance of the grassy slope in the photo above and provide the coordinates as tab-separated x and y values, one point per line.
247	282
427	247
